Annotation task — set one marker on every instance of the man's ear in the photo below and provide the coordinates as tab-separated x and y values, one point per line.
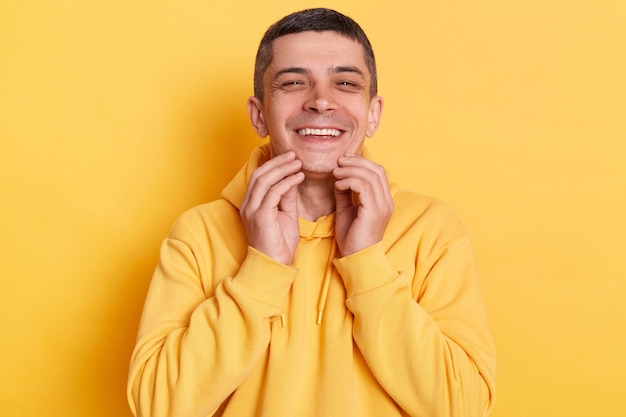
255	112
373	118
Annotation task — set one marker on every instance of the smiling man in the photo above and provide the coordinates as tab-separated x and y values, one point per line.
314	287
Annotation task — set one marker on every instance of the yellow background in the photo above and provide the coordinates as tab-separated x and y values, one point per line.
116	116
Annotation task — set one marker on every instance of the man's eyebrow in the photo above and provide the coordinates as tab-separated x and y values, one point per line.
291	70
347	68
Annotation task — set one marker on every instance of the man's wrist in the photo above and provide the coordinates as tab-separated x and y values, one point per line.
365	270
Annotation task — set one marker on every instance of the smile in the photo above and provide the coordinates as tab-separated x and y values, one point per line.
319	132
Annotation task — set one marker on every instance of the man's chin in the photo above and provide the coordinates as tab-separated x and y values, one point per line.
318	170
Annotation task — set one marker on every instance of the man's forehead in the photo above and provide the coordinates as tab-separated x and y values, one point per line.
312	45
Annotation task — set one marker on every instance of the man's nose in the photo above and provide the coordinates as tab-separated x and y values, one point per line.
321	99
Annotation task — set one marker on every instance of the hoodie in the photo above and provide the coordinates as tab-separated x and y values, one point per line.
396	329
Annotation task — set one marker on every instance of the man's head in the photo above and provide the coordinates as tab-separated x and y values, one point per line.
315	89
316	20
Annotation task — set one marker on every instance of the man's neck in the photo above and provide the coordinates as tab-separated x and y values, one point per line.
316	197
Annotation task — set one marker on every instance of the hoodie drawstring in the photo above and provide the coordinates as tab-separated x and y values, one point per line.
321	305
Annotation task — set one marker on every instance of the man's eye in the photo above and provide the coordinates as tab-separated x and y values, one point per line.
292	83
348	85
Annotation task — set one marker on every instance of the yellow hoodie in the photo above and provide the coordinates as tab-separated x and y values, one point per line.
227	331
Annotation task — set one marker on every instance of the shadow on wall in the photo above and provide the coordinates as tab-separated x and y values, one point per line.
217	140
220	136
229	145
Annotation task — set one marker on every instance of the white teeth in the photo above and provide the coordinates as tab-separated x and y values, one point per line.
319	132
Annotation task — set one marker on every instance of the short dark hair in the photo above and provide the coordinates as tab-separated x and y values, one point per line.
317	20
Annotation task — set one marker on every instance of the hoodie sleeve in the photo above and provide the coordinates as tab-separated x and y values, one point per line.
193	350
425	338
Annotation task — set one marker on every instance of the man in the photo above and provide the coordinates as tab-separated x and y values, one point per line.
313	287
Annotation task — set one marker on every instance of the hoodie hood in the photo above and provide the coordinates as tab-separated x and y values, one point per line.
235	191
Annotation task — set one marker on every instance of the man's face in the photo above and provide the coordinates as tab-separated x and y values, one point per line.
316	99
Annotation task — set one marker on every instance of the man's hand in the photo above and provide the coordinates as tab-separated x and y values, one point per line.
364	203
269	210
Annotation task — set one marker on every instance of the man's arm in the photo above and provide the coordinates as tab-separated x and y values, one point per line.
427	344
196	345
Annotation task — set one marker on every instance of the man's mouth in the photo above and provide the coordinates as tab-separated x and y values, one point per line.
319	132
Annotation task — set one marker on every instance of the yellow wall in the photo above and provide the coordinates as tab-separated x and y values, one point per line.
116	116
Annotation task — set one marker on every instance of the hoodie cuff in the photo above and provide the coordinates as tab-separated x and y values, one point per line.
264	279
365	270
